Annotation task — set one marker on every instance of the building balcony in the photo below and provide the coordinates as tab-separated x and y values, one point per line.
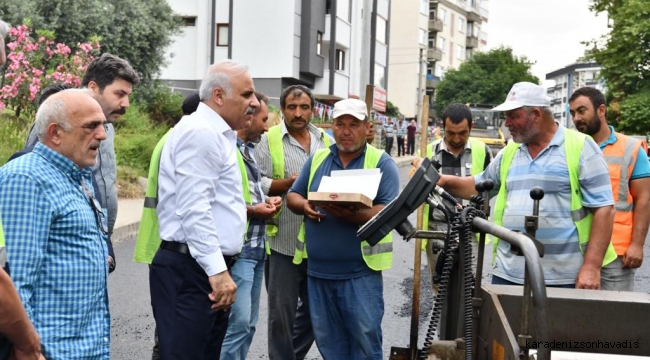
550	90
556	101
434	55
473	14
435	25
557	115
471	42
432	81
558	87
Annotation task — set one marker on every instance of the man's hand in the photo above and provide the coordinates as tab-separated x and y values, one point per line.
223	291
17	354
111	263
341	212
264	211
311	212
633	257
275	200
588	278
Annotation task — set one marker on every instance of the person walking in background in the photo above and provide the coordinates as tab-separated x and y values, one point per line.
202	217
248	271
629	171
401	133
410	137
55	230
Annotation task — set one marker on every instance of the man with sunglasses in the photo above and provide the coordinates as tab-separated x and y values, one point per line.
55	231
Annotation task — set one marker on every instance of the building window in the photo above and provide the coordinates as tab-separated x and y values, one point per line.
328	6
468	53
432	41
459	52
340	60
188	20
424	7
432	14
441	43
461	25
319	43
442	15
222	34
380	76
381	30
470	28
422	38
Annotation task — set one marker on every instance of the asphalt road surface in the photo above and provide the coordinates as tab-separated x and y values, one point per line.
133	324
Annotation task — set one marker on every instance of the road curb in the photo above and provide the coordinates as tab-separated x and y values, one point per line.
125	232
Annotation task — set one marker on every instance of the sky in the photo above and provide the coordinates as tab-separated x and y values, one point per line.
548	32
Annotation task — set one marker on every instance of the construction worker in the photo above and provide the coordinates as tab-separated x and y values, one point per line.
629	170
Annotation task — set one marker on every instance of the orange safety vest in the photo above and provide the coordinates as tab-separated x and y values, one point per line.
621	157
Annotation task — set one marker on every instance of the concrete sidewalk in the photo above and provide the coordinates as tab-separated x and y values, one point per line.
130	210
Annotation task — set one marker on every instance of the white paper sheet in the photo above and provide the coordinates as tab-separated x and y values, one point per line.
362	181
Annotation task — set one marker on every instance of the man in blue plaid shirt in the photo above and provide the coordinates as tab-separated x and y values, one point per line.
55	231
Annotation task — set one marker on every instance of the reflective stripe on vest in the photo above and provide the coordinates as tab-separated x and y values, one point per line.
621	157
276	149
148	240
378	257
477	147
582	217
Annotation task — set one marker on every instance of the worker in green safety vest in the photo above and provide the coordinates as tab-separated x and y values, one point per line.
576	214
345	280
459	155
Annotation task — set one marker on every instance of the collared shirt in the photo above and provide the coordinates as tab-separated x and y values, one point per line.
401	129
460	165
294	158
200	194
557	232
104	171
57	253
641	167
333	246
256	232
389	129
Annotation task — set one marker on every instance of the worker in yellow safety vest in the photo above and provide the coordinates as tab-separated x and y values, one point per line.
629	171
576	213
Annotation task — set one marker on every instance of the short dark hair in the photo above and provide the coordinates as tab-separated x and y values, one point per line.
261	97
456	113
51	90
295	91
595	96
191	103
106	68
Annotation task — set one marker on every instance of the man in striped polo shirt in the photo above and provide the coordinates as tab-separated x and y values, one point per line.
572	216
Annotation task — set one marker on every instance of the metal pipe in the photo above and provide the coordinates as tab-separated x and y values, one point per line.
332	46
533	270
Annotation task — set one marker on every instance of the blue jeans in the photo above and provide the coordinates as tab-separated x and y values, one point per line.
247	275
501	281
346	317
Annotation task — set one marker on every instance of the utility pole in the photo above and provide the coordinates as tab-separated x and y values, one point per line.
423	69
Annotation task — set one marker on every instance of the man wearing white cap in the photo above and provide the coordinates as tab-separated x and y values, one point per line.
576	213
344	272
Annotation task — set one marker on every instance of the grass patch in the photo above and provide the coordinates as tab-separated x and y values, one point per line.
13	133
128	184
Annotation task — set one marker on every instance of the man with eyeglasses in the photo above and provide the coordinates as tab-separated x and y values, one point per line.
55	231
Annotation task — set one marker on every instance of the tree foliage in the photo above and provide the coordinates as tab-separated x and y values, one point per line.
624	55
136	30
392	110
485	78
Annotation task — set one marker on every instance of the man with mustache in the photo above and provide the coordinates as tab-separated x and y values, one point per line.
248	271
111	80
345	279
55	231
202	217
281	154
630	174
16	331
577	208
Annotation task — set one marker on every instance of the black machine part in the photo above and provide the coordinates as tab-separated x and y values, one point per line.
395	214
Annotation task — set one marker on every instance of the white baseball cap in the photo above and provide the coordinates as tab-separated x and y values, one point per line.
524	94
354	107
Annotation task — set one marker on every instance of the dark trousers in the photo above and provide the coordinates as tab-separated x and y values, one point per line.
290	331
410	145
389	144
400	146
187	327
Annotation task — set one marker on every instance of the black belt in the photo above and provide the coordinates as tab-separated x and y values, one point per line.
182	248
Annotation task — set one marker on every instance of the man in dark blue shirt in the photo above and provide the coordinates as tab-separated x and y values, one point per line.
345	280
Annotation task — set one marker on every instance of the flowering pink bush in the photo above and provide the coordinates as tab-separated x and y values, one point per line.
35	64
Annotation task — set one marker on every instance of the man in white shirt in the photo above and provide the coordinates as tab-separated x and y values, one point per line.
202	217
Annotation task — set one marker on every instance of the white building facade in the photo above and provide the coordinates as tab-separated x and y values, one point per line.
334	47
567	80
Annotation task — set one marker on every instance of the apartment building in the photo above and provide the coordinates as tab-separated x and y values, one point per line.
334	47
567	80
448	31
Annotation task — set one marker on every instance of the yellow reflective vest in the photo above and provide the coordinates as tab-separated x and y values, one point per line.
582	217
378	257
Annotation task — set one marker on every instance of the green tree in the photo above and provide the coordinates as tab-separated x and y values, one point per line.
136	30
392	110
485	78
624	55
